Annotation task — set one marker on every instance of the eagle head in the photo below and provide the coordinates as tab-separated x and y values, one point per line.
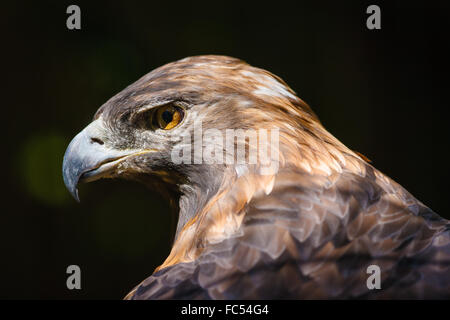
200	130
161	129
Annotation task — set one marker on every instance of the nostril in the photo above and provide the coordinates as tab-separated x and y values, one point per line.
97	140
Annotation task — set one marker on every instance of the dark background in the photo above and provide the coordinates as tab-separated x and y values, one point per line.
383	93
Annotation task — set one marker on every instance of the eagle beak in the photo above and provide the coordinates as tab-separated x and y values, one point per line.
87	157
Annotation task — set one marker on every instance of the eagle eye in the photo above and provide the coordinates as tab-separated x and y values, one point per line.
167	117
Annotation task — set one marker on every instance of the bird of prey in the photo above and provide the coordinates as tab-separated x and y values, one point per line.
313	227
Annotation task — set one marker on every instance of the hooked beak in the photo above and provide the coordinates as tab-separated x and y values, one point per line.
87	158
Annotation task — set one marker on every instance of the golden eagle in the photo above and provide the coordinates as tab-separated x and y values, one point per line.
307	227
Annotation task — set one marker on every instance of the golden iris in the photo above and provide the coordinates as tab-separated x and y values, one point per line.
168	117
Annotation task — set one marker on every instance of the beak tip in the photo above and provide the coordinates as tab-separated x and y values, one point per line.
73	190
75	195
71	181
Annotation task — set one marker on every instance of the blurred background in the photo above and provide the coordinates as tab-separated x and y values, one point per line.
383	93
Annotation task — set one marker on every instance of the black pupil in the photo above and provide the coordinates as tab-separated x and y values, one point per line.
167	116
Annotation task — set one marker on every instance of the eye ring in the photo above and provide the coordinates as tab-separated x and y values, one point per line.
167	117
